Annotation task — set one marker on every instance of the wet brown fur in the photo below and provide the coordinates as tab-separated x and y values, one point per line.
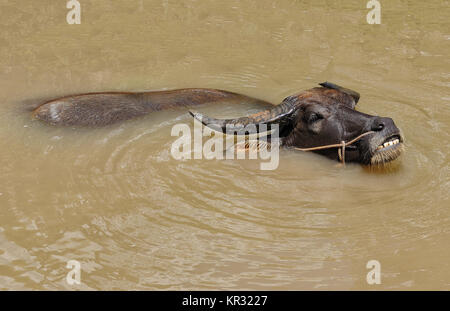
100	109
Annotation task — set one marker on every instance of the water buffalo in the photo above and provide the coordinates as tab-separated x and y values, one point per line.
321	116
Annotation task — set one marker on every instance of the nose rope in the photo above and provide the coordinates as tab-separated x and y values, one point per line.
341	146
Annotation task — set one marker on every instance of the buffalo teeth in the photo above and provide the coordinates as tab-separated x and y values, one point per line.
388	143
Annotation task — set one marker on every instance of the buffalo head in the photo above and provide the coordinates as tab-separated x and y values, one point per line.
323	116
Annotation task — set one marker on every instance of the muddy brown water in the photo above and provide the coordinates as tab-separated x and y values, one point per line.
115	200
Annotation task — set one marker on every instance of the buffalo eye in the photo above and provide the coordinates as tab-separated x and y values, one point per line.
313	117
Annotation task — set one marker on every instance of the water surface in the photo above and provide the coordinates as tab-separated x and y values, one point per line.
115	200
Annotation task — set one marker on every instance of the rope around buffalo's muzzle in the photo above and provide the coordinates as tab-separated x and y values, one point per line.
341	146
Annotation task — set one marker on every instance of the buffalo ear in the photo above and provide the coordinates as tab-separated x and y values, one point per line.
352	98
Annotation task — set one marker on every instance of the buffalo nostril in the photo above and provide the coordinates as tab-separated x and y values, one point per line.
378	125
